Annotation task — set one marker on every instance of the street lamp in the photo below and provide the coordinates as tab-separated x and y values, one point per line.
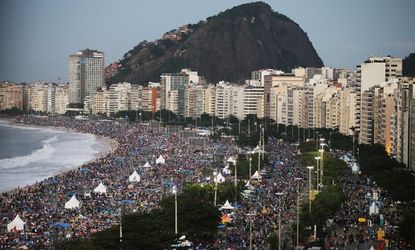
250	165
309	187
322	163
250	215
279	194
298	209
317	158
215	174
175	209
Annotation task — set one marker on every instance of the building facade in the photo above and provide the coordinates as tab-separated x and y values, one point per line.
86	74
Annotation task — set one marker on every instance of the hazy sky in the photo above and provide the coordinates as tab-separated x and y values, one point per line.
37	36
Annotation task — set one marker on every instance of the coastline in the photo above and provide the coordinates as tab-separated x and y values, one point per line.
107	146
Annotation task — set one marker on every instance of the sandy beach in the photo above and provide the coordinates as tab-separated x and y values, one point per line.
106	146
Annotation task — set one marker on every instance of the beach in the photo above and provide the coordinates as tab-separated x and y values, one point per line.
30	154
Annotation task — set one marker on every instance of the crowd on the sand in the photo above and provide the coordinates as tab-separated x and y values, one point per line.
41	205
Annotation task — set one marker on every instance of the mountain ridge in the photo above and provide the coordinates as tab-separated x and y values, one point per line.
227	46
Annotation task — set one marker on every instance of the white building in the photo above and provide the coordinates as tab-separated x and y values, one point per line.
86	74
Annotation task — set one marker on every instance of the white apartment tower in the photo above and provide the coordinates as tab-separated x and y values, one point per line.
86	74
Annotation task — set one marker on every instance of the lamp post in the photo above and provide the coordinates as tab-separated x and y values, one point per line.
236	182
316	138
250	165
279	219
321	164
309	187
175	209
298	210
215	174
250	215
317	158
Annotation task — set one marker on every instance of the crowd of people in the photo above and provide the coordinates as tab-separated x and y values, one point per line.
274	194
367	211
41	205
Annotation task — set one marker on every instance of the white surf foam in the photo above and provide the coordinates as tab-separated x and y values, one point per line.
41	154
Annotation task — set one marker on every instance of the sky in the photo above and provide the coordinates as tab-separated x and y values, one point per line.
38	36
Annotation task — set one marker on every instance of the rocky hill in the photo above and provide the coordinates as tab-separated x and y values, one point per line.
227	46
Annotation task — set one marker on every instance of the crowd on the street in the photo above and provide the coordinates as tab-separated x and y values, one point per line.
274	194
42	205
366	210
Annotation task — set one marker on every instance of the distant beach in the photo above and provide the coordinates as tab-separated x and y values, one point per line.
31	154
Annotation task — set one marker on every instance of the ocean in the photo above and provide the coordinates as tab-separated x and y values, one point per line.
28	155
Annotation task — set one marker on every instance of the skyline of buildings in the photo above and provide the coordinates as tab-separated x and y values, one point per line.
374	98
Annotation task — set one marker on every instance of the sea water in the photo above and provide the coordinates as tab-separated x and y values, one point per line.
28	154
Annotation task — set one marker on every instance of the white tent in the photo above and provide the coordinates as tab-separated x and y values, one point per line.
231	160
16	225
355	168
134	177
220	178
147	165
257	149
256	176
101	189
160	160
72	203
227	205
226	170
249	186
373	209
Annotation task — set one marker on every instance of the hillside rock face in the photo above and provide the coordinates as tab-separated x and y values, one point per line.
227	46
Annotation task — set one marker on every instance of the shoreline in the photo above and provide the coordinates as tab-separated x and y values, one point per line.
109	146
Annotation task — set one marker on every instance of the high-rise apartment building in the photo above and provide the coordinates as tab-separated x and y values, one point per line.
348	99
271	81
194	100
412	138
252	97
86	74
172	89
11	96
119	97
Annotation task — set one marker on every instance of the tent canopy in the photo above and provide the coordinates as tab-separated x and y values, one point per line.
101	189
227	205
134	177
231	160
249	186
256	176
72	203
226	170
147	165
160	160
220	178
16	225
